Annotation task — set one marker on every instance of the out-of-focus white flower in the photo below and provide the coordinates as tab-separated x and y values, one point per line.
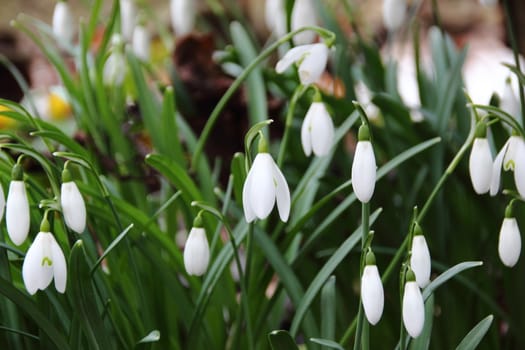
183	14
275	17
364	97
265	185
2	202
488	2
372	294
43	262
413	307
317	131
196	252
394	12
115	67
509	246
480	165
364	167
312	61
420	258
128	14
509	100
63	22
17	208
72	203
303	15
141	42
511	157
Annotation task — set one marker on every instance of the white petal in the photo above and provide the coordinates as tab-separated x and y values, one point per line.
183	14
420	260
63	23
59	266
196	252
413	309
73	207
141	42
115	69
282	193
480	165
275	17
31	269
128	14
322	130
394	13
2	202
306	132
293	55
372	294
313	64
515	144
262	190
246	201
509	246
17	212
519	170
303	15
364	171
496	170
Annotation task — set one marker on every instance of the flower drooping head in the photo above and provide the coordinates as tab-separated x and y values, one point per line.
317	131
196	249
364	167
311	58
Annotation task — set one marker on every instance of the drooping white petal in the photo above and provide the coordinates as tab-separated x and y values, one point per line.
496	170
196	252
63	22
59	265
32	273
183	16
515	146
364	171
480	165
282	193
313	64
322	132
394	12
420	260
249	214
372	294
128	15
262	190
303	15
306	132
291	56
17	212
275	17
509	246
73	207
413	309
2	202
519	171
510	101
141	42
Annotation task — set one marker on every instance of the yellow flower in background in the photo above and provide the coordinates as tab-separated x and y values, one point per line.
5	121
58	107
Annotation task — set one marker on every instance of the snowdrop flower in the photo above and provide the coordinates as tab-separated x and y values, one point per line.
317	131
17	208
509	246
480	161
511	157
63	23
364	167
311	58
420	258
72	203
413	307
128	14
303	15
115	66
141	41
183	14
510	101
196	250
275	17
265	185
44	261
372	295
394	12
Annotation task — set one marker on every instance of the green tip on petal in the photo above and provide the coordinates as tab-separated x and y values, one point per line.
410	276
370	258
364	133
481	130
418	231
197	222
66	175
17	174
263	144
44	225
509	211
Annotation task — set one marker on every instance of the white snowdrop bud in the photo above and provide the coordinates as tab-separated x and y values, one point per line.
128	14
509	245
364	167
394	12
275	17
420	258
372	295
480	165
317	131
141	42
63	22
303	15
72	203
115	67
196	250
183	14
17	208
413	307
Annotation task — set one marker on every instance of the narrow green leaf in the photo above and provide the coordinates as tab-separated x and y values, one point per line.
445	276
473	338
328	343
282	340
423	341
16	331
328	309
152	337
113	244
238	170
169	128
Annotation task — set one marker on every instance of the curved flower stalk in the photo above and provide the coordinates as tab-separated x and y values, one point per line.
317	131
413	306
311	58
44	261
183	14
141	43
420	258
128	14
17	208
509	245
394	12
372	295
72	203
115	66
63	22
275	17
264	186
196	249
511	157
364	167
303	15
480	161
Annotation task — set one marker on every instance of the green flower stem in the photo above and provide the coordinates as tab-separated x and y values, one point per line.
361	342
301	89
327	35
